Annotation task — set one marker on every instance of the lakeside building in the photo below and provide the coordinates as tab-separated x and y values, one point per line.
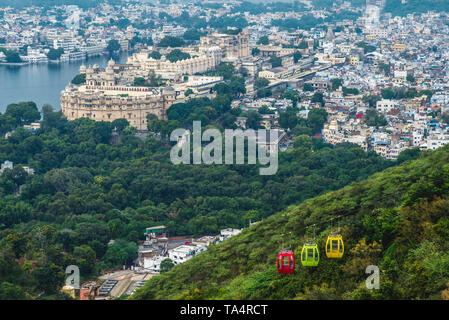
104	98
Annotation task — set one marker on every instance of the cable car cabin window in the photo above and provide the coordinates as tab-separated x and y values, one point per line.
304	255
316	254
310	253
328	246
285	261
334	245
341	246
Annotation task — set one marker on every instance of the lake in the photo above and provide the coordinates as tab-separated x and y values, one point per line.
42	83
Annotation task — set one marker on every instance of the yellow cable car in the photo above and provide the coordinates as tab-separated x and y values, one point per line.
335	246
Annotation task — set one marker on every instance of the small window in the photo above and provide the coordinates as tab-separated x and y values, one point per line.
334	245
328	246
316	254
309	253
285	260
341	246
304	255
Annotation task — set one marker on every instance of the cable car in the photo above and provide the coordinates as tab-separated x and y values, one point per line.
310	255
335	246
286	262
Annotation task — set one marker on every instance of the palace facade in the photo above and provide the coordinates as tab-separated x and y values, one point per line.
104	98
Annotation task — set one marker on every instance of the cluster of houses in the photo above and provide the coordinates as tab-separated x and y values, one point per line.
157	247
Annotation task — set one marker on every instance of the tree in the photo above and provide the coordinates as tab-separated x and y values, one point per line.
288	119
261	82
307	87
253	119
384	67
292	95
275	61
387	93
371	100
155	55
255	51
120	252
263	93
410	78
297	56
375	119
170	41
350	91
120	124
225	70
263	40
13	56
10	291
113	46
316	119
336	83
87	258
23	112
79	79
409	154
55	54
176	55
317	98
188	92
166	265
49	277
192	35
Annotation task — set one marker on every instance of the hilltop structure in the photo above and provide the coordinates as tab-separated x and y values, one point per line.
113	93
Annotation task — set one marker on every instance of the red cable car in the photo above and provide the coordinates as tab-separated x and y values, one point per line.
286	262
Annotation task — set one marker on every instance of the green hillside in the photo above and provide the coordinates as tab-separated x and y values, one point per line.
397	220
397	8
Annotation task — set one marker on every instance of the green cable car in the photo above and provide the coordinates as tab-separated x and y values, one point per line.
310	255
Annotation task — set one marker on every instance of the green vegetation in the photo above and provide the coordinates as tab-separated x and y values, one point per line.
404	93
87	190
153	80
176	55
275	61
366	47
225	70
155	55
397	220
307	21
350	91
263	40
170	41
397	8
192	35
12	56
79	79
113	46
375	119
55	54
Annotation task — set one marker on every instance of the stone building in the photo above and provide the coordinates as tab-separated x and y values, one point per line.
104	98
233	46
204	60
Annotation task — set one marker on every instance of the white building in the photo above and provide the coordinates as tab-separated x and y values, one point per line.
185	252
228	233
386	105
435	141
153	263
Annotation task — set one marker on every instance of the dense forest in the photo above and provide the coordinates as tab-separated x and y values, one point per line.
397	220
397	8
97	181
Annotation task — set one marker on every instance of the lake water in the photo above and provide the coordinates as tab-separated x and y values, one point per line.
42	83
